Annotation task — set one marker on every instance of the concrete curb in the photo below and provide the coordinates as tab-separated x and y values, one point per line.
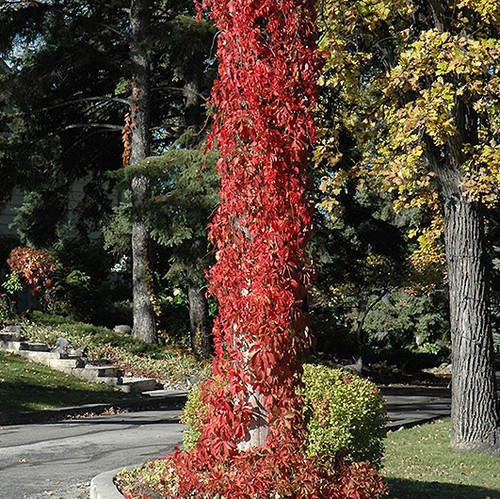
176	400
103	487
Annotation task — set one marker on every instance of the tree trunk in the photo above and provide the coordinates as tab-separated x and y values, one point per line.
474	405
258	430
200	324
144	318
199	321
474	411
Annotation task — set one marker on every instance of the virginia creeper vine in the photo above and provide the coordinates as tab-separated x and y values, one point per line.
263	129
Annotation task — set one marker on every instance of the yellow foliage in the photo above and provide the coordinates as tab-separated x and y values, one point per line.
428	261
489	10
395	108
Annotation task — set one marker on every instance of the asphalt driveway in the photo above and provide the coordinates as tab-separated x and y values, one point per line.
58	460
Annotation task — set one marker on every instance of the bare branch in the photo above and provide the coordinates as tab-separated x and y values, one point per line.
74	101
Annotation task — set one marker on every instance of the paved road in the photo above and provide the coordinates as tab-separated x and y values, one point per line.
407	406
58	460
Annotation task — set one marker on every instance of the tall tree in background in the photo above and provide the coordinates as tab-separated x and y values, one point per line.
68	91
65	110
194	117
417	85
144	327
181	196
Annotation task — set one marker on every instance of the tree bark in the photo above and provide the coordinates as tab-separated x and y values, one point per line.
258	430
144	327
474	412
199	321
474	406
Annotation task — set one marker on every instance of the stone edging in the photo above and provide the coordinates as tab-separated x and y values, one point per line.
73	361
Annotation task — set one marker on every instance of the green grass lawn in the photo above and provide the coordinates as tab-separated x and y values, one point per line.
419	464
26	386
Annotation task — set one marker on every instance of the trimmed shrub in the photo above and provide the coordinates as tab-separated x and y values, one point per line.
343	412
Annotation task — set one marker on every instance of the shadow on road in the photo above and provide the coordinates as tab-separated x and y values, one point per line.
107	420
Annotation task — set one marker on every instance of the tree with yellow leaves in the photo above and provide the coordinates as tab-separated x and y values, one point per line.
416	84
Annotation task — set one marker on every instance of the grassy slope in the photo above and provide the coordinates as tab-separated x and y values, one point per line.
26	386
420	464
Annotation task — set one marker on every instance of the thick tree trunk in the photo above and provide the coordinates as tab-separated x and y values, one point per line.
474	413
474	404
144	327
144	318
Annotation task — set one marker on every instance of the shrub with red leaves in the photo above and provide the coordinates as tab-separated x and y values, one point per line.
35	267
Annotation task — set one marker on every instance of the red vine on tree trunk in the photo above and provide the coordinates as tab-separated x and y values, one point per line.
268	65
263	128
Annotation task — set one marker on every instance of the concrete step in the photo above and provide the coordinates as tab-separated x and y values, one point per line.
69	363
10	336
94	374
108	380
47	359
66	365
39	356
137	385
10	346
53	355
34	346
100	362
102	371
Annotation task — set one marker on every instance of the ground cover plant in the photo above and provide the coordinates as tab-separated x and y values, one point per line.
169	364
419	463
345	417
25	386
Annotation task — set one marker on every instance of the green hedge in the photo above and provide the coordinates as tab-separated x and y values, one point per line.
343	411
